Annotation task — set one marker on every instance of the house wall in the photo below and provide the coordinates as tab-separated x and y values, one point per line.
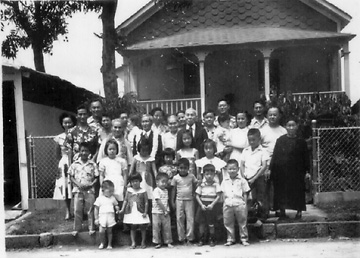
41	120
230	13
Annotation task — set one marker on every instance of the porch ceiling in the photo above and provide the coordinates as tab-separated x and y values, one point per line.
235	36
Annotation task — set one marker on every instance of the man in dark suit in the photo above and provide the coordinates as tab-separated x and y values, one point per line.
198	131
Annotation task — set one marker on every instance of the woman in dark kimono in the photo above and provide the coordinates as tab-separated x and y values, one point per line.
289	165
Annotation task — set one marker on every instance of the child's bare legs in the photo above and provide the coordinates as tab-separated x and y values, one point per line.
143	236
102	237
132	236
109	236
67	209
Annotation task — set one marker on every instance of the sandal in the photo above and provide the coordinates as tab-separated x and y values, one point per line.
132	246
229	243
143	246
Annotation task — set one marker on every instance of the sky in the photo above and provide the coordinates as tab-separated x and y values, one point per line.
79	59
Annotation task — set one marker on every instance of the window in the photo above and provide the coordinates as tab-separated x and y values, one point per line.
191	79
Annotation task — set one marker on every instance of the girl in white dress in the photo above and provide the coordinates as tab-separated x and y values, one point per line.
62	190
135	208
238	136
114	168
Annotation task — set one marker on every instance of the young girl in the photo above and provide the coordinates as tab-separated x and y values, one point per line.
144	164
105	205
238	136
135	208
210	150
187	151
62	190
289	166
114	168
168	168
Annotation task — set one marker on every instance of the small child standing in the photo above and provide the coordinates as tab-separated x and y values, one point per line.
135	207
207	195
84	175
187	151
235	192
210	150
253	166
168	168
182	197
105	205
209	118
114	168
161	224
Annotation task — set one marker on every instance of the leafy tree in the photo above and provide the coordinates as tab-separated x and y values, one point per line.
37	24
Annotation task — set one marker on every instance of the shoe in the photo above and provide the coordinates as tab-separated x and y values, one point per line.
200	243
91	232
132	246
181	242
109	247
298	215
143	246
74	233
170	246
157	246
245	243
101	246
229	243
211	243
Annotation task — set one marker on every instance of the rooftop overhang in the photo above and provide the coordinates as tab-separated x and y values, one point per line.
240	37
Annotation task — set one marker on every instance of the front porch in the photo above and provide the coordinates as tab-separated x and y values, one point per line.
171	106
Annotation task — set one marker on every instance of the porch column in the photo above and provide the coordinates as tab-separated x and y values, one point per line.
346	54
201	57
267	53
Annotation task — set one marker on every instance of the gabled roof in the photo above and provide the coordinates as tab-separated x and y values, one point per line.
322	6
235	35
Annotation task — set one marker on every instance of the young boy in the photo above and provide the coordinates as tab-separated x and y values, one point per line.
235	192
182	197
161	224
104	213
207	195
209	118
84	175
253	165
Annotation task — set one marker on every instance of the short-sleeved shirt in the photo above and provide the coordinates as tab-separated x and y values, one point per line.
258	124
163	195
184	186
77	135
84	173
208	192
269	135
233	190
169	140
106	204
253	160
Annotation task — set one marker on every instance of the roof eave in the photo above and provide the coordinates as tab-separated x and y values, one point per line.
138	18
331	11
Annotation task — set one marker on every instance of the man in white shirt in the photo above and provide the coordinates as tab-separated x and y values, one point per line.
169	138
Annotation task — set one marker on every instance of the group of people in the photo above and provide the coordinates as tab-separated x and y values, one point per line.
154	170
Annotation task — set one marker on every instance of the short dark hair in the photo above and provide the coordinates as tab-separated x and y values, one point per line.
168	152
180	111
106	184
84	145
106	115
111	141
223	118
160	176
82	106
259	101
184	161
209	141
232	161
144	143
181	144
292	118
209	111
95	100
254	131
135	119
152	111
209	167
223	99
67	115
134	176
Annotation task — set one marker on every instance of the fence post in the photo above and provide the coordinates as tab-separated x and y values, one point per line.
315	161
32	168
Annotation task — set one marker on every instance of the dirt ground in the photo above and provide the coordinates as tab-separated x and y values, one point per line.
53	220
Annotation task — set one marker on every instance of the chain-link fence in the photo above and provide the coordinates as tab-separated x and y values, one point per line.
338	158
43	166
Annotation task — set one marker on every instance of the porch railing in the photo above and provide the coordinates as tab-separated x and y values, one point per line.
171	106
311	96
